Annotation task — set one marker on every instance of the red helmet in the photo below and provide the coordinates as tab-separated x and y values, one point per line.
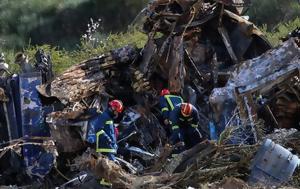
186	109
164	92
116	105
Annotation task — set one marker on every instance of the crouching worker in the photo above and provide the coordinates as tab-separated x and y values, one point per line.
106	142
167	104
185	117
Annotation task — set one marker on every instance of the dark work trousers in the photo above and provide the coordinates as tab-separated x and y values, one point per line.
190	135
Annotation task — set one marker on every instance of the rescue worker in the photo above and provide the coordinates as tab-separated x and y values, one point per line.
167	104
106	142
185	117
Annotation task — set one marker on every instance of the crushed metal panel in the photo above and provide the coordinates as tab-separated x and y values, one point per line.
37	161
259	74
256	70
273	164
283	57
31	106
267	83
87	78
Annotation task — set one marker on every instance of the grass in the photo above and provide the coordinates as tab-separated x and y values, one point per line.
281	30
63	59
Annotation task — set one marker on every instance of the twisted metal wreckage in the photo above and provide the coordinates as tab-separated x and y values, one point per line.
204	51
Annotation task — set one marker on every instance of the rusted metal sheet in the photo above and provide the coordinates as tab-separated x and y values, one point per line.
87	78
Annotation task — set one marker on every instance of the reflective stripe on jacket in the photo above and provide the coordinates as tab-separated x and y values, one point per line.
105	133
167	104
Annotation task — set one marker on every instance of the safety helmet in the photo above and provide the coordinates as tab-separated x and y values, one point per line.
164	92
186	109
116	105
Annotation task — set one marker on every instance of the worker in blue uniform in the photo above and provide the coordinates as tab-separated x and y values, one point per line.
167	104
185	117
106	142
104	129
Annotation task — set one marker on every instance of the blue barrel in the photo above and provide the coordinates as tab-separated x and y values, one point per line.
273	164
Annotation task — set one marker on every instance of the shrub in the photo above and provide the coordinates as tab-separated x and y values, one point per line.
63	59
280	31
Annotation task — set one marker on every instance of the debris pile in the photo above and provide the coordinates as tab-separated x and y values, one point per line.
203	51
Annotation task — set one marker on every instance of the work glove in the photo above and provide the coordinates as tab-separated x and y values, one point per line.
166	122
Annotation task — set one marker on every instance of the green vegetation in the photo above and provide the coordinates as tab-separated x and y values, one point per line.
282	30
272	13
276	18
63	59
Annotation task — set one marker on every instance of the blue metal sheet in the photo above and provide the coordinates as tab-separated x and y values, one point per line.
31	106
37	161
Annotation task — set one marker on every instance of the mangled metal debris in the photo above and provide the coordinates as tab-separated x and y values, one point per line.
273	165
272	76
87	79
204	51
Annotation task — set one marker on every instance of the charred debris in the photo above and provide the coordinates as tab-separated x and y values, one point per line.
247	94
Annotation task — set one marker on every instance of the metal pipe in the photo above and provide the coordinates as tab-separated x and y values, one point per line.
7	121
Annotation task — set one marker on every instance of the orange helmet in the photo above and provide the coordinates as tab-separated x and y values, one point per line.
164	92
116	105
186	109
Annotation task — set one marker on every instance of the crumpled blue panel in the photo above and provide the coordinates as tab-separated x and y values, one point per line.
37	161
